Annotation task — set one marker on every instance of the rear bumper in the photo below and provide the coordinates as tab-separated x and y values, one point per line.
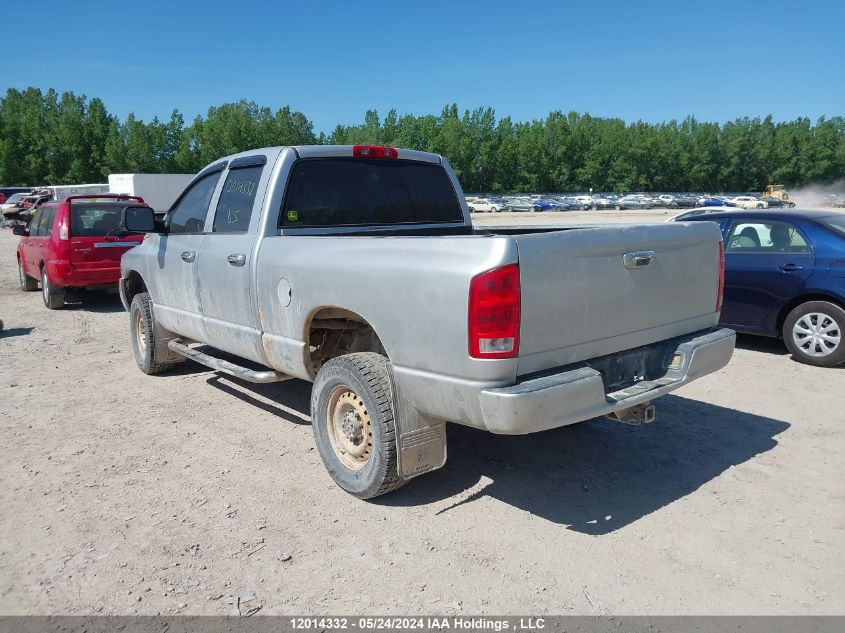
63	274
579	394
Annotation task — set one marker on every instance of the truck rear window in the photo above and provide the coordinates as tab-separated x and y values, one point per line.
357	191
91	220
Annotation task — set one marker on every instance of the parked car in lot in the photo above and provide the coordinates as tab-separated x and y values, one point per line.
484	205
708	201
12	200
631	202
667	201
785	277
685	202
777	203
575	204
749	202
546	204
73	244
520	204
278	257
602	202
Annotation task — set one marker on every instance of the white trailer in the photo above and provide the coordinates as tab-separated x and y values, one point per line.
60	192
158	190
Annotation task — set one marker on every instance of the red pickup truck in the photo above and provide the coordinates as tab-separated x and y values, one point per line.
74	244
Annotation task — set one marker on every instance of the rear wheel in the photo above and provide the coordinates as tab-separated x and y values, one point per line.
54	298
142	336
812	332
28	284
354	426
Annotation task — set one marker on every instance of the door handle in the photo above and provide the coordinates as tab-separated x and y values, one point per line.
237	259
189	256
788	268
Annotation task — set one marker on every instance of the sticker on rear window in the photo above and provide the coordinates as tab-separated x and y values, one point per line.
293	216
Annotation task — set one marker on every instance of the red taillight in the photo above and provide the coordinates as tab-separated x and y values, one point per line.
374	151
494	310
64	233
720	291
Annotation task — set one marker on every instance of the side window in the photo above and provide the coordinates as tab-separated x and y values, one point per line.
47	222
33	224
188	216
234	209
765	237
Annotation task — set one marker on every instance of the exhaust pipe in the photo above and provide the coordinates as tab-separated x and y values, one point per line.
638	414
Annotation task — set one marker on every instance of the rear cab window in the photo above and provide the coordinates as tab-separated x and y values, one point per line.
339	192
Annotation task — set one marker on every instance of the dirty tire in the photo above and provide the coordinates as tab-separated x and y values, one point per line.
28	284
830	319
54	299
368	375
141	335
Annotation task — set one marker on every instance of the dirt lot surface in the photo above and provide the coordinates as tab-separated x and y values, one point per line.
192	493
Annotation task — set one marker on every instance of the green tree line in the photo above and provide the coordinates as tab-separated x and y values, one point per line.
47	138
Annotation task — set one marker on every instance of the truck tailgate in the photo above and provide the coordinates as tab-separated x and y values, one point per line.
580	300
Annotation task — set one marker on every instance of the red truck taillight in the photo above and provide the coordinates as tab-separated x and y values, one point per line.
720	291
494	313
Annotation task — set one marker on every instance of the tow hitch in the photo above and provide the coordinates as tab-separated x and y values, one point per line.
639	414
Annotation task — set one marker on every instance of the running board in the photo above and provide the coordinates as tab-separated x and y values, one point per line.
225	367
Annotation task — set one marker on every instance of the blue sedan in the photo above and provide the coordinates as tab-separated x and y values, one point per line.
785	277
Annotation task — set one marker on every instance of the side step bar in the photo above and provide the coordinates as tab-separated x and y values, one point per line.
224	366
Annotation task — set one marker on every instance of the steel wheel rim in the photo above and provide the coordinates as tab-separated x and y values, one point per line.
21	275
44	290
349	429
816	334
140	333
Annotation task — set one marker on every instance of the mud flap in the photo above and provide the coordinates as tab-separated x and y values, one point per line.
162	337
420	440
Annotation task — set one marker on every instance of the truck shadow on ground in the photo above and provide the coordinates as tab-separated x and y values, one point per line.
15	331
594	477
598	476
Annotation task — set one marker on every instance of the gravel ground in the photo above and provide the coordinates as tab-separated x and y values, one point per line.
193	493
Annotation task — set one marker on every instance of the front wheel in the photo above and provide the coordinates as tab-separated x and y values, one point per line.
354	425
812	332
28	284
54	298
142	336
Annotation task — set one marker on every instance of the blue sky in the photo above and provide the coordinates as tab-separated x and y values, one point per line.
333	60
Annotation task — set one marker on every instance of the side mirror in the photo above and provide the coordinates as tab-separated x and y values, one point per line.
21	231
138	219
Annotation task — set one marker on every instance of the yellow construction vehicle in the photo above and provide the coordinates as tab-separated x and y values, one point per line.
779	192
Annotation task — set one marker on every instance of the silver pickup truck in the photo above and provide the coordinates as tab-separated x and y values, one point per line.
358	268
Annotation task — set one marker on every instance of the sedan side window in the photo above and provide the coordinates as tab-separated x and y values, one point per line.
765	237
188	216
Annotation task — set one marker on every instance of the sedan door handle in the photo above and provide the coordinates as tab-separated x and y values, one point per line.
788	268
237	259
189	256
